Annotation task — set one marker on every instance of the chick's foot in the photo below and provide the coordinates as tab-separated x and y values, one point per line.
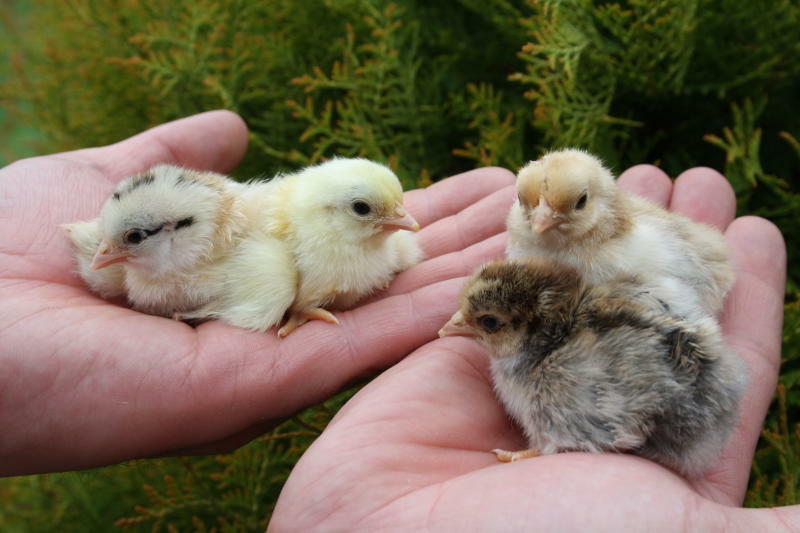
505	456
298	318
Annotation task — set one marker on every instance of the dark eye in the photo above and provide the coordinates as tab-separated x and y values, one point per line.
361	208
582	201
134	236
489	323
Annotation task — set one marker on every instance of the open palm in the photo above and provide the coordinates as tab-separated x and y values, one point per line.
85	382
410	451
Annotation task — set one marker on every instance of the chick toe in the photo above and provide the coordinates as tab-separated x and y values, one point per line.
505	456
298	318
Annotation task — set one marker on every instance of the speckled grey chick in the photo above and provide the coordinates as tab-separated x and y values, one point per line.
601	367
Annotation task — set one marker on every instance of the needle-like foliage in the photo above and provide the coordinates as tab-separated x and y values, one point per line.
431	88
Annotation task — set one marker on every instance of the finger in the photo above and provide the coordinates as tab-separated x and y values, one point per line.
448	266
229	443
278	378
648	182
478	221
772	519
751	323
215	140
451	195
704	195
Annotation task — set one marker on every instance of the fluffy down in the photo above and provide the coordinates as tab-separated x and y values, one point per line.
570	209
259	282
109	282
601	367
346	227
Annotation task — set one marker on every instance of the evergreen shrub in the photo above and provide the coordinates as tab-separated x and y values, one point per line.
431	88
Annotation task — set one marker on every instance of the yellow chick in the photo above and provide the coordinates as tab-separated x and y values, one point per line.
570	209
109	283
340	219
168	228
258	284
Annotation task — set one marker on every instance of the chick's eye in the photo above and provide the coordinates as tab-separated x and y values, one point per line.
134	236
582	201
489	323
361	208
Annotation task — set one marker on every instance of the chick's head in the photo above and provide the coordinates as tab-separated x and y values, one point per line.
567	193
506	303
354	199
162	221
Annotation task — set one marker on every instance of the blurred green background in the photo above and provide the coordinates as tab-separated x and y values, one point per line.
18	138
431	88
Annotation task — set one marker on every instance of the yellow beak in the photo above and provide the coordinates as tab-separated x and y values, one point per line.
106	256
456	327
401	220
545	217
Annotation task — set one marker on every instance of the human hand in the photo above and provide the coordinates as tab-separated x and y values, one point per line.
411	450
85	382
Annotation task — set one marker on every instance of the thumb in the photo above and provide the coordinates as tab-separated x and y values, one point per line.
773	519
214	140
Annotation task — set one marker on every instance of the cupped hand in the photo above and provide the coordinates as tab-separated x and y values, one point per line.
85	382
410	451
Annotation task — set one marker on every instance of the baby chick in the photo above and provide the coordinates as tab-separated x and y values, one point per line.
601	367
109	283
168	228
257	284
340	219
570	209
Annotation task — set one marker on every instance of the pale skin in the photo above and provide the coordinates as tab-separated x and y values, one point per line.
85	382
411	451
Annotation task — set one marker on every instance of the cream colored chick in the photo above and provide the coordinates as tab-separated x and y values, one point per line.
176	242
340	219
109	282
169	228
601	367
570	209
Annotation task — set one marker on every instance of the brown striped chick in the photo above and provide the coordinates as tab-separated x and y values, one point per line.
601	367
570	209
348	231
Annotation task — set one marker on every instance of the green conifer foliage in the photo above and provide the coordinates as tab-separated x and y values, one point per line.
498	132
431	88
374	86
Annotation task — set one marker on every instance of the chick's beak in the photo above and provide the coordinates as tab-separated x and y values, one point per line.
106	256
401	220
545	217
456	326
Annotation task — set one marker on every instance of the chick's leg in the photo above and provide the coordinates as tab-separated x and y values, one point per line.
505	456
298	318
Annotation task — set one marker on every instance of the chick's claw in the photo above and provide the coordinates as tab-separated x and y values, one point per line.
505	456
298	318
